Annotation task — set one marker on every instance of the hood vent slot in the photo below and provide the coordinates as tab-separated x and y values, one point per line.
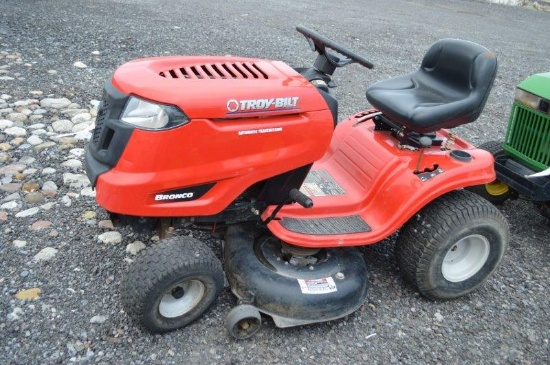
226	70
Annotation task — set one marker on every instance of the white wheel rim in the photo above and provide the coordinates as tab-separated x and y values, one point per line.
181	298
465	258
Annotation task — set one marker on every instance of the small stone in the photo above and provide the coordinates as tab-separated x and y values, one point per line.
11	197
47	206
4	157
79	152
15	131
17	141
44	145
53	233
27	160
15	314
36	226
68	141
96	53
19	176
79	64
55	103
110	237
72	164
4	123
88	192
134	247
34	197
34	140
48	171
89	214
81	118
10	205
19	243
39	111
438	316
28	212
11	168
75	180
52	72
11	187
3	216
98	319
5	147
28	294
17	117
34	118
106	224
66	201
62	125
30	186
45	254
74	111
80	127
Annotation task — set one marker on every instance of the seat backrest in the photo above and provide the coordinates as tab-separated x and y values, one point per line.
462	66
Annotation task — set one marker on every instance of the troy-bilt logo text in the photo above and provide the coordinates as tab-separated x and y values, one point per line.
243	106
173	196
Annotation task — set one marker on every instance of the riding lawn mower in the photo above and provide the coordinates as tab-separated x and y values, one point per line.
253	149
522	160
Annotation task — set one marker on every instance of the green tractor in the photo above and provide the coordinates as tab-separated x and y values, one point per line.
522	161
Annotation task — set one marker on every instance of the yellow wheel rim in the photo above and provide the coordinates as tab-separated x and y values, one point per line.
496	188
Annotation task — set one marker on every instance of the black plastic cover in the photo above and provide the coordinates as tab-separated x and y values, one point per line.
110	136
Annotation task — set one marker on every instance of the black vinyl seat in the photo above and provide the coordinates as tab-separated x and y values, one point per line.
450	88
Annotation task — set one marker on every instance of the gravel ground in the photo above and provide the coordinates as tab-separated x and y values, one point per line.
58	249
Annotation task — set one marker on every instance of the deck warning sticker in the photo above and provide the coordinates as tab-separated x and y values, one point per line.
317	286
320	183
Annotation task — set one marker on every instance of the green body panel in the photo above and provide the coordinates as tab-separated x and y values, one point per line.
538	84
528	137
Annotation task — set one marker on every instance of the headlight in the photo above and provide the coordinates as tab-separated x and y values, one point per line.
146	115
528	99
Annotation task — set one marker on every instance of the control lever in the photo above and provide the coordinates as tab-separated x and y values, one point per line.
424	142
300	198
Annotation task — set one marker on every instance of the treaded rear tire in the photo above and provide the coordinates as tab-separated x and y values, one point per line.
437	229
176	262
495	148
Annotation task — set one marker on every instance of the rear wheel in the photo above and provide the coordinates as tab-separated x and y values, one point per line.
496	191
171	284
452	245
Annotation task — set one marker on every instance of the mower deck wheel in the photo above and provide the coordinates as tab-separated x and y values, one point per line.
243	321
452	245
171	284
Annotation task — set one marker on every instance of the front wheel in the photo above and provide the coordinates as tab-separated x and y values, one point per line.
171	284
452	245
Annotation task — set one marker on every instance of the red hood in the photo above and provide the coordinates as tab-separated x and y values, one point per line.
219	87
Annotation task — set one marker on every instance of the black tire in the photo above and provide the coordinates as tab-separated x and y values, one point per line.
171	284
459	222
496	192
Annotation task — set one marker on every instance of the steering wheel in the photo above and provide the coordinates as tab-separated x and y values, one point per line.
320	43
